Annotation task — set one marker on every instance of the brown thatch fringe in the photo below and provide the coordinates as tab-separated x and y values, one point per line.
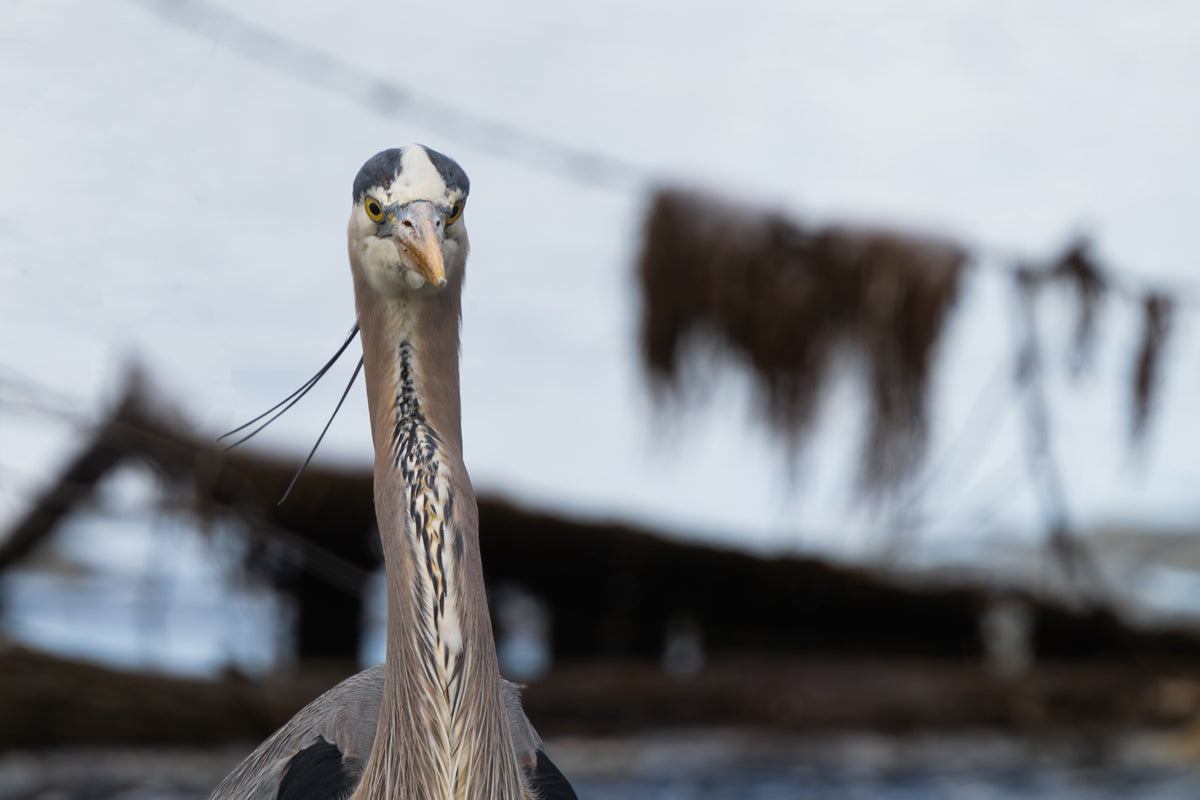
1079	271
1157	311
786	299
1076	270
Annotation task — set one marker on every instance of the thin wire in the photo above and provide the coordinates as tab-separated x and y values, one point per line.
989	404
315	67
324	430
318	561
349	82
1075	560
298	395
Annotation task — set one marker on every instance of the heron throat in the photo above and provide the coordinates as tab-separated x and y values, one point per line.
443	731
434	537
443	711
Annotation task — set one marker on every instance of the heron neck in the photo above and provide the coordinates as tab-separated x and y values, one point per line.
442	731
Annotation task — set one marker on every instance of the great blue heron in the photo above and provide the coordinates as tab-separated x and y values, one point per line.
436	720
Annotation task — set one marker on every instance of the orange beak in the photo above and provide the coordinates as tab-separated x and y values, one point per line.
420	240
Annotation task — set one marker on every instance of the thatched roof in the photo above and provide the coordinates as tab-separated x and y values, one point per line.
728	283
787	301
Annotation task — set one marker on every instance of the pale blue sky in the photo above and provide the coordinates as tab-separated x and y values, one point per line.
164	197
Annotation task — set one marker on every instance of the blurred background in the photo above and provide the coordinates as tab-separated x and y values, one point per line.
857	345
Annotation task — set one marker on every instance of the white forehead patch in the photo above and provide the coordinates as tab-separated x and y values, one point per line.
418	179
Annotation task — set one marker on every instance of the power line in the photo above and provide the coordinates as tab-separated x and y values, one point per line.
310	65
320	69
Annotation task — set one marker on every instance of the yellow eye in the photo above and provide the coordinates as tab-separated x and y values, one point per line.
455	212
374	210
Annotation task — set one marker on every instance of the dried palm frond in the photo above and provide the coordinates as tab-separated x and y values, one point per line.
787	301
1157	312
1079	271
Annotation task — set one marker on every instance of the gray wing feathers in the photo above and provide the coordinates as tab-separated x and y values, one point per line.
347	716
526	741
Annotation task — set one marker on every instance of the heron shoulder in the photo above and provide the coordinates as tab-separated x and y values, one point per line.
344	718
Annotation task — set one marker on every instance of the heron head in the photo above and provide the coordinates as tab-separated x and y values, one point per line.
406	233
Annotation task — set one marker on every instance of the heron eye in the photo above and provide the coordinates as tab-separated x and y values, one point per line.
455	212
374	210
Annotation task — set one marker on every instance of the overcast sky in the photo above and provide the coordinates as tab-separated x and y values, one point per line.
175	181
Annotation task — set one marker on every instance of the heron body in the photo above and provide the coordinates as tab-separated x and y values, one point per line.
436	720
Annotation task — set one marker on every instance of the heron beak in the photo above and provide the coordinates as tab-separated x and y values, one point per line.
419	237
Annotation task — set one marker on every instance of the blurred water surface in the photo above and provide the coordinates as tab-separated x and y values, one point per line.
712	765
723	766
848	783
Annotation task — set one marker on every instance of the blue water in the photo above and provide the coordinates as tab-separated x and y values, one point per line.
701	766
878	768
845	784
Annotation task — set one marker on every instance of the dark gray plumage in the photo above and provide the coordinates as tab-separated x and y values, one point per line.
382	168
345	716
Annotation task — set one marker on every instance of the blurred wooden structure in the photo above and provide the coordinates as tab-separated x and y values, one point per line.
788	642
52	702
612	590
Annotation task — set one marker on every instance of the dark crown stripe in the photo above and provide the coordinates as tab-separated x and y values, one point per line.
383	167
379	170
